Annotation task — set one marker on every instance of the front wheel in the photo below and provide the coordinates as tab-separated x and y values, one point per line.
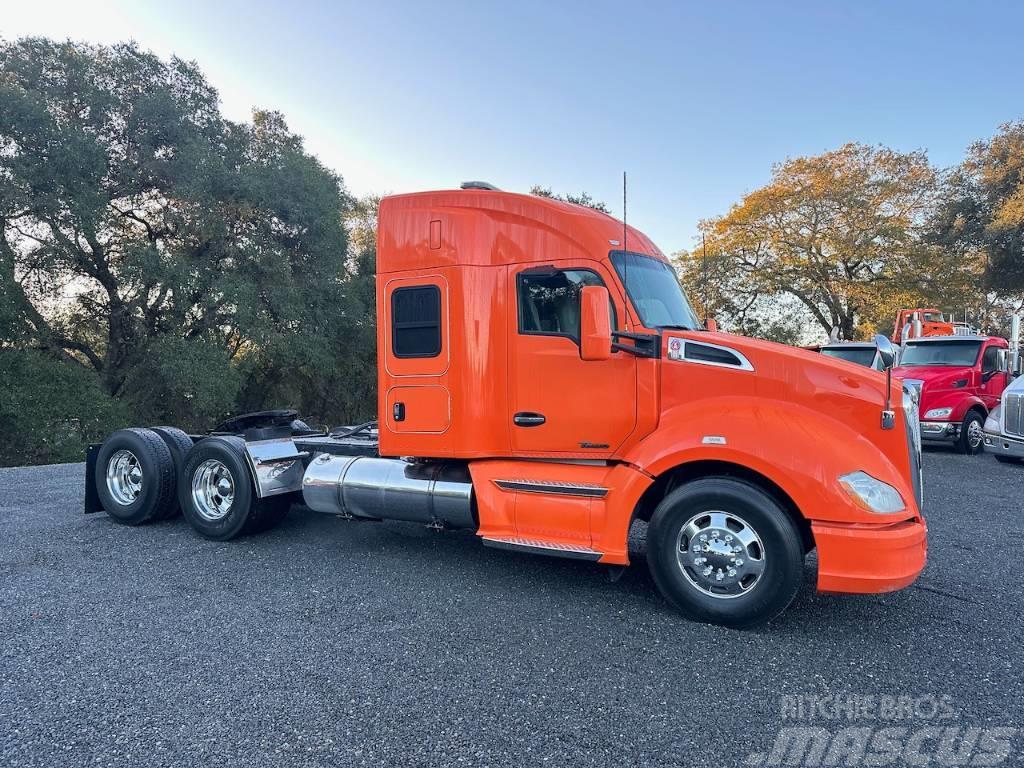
972	434
724	552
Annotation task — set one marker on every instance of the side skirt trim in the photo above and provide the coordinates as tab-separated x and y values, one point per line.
537	547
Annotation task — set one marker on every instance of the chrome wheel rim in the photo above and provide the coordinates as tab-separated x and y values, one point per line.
124	477
720	554
975	433
213	490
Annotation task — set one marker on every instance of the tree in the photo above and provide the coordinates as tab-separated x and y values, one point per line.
581	199
146	238
982	213
831	231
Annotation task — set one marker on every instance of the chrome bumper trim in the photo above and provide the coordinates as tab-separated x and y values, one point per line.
1004	445
940	431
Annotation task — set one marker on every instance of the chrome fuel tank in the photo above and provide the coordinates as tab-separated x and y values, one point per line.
374	488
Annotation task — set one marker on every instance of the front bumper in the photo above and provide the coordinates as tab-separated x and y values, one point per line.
865	558
940	431
1004	446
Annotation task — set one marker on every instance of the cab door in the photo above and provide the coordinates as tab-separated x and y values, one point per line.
559	403
994	375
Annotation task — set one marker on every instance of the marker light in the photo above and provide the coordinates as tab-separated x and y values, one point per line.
871	494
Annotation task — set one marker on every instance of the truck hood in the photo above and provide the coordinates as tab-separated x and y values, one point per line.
934	378
842	390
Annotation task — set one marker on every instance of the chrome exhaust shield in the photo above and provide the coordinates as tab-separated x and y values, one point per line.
373	488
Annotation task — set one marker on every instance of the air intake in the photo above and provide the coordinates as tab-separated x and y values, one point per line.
479	185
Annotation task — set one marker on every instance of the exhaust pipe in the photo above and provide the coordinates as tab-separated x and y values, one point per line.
372	488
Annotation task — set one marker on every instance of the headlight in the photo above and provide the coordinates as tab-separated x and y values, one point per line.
871	494
994	420
938	413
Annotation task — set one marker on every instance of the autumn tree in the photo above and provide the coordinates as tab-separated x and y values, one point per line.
981	217
831	231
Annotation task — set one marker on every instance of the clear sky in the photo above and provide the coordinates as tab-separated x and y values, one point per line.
695	101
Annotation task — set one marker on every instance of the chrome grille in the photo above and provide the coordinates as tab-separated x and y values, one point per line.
913	428
1013	414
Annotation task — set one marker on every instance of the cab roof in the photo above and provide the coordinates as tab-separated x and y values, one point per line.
490	227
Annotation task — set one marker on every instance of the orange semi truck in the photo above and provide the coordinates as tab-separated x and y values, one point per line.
544	382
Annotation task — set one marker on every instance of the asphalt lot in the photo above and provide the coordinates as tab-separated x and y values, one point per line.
331	643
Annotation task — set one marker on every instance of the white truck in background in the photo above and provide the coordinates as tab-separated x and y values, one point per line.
1004	426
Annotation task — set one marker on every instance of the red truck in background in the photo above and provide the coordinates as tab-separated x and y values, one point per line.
959	379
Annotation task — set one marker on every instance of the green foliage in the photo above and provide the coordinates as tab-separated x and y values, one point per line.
191	384
51	409
581	199
194	265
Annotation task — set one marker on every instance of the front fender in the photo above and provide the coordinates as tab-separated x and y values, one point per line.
801	450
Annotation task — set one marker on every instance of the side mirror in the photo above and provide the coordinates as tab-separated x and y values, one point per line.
595	323
886	351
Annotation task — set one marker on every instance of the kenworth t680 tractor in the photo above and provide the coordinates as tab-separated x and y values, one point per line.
544	382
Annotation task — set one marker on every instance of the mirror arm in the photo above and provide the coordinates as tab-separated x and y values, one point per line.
644	344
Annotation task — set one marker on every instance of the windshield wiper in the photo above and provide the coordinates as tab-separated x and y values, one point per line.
675	327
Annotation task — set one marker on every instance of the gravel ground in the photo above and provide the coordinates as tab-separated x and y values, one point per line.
331	643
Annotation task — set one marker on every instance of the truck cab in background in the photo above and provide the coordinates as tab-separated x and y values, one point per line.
1004	427
958	380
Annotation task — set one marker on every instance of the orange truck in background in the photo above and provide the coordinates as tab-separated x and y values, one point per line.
544	382
932	323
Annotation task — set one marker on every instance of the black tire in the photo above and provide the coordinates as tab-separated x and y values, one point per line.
246	513
156	484
782	553
963	443
1007	459
179	445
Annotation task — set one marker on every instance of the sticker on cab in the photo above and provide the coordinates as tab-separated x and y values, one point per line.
675	349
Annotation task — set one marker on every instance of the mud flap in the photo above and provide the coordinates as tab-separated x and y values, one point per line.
92	498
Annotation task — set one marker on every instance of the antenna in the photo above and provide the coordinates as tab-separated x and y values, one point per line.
704	275
624	247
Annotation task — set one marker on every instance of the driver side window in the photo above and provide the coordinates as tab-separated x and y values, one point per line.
990	360
549	301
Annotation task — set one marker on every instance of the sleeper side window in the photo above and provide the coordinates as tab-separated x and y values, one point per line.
416	321
549	301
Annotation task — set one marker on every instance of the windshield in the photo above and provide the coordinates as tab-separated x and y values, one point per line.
859	355
654	289
952	353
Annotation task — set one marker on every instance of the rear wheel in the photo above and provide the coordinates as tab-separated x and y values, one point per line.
179	444
724	552
217	494
134	476
972	434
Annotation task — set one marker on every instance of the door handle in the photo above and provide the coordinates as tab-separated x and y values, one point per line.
528	419
398	412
